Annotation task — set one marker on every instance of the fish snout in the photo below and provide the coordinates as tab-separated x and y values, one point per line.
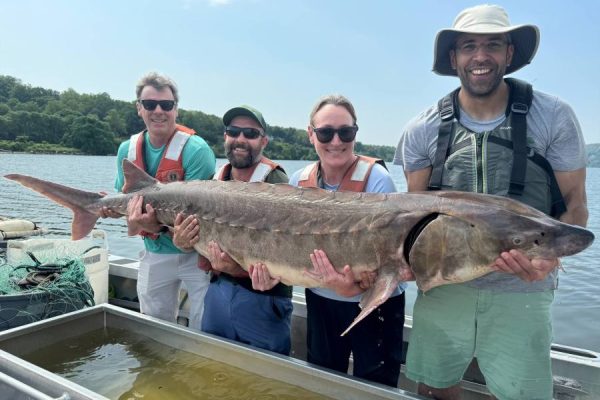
573	239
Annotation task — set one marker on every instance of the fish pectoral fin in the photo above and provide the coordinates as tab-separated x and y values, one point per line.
384	286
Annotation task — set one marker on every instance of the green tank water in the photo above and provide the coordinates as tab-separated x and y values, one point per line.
121	365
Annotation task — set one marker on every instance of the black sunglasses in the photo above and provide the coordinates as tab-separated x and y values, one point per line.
249	133
165	105
345	133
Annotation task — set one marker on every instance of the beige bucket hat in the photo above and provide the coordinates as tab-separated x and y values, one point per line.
486	19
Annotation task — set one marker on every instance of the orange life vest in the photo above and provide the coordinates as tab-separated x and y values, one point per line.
259	173
170	168
355	179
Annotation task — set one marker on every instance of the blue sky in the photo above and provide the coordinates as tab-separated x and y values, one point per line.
282	55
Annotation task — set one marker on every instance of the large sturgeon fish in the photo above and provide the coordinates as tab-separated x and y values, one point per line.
442	237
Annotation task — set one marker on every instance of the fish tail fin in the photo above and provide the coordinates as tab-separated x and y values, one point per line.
384	286
77	200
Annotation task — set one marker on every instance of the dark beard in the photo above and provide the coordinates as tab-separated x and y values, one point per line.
482	91
244	162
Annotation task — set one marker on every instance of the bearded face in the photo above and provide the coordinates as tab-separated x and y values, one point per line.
243	154
480	62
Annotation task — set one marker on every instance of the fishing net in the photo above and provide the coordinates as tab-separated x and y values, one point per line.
42	286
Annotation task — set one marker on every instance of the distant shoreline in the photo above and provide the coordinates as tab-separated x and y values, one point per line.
595	164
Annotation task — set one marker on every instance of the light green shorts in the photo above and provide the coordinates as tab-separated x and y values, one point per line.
509	334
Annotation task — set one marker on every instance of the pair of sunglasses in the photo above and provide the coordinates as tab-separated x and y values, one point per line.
345	133
249	133
165	105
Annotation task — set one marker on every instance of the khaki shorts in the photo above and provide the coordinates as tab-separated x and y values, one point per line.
509	334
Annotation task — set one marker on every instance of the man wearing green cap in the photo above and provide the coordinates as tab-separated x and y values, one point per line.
493	135
251	307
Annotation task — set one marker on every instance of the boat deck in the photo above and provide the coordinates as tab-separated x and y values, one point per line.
576	371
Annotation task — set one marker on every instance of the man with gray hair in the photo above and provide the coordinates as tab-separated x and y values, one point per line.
493	135
169	152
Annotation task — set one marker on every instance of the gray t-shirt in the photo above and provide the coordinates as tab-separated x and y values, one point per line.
552	130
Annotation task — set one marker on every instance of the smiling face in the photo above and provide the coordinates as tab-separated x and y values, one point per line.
241	151
480	62
160	123
334	154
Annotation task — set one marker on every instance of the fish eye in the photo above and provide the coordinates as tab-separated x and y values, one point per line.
517	241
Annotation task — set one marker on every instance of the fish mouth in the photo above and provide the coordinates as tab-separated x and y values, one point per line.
414	233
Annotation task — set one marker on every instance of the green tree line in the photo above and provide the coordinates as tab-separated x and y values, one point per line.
34	119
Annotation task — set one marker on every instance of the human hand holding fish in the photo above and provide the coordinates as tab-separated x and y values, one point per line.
344	282
139	218
106	212
223	262
185	232
261	277
530	270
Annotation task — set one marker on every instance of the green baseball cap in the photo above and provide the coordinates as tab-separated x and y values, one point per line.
244	111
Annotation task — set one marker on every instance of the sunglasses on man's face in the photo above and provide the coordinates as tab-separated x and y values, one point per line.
345	133
249	133
165	105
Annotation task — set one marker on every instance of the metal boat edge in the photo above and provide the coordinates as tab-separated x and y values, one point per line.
24	339
576	371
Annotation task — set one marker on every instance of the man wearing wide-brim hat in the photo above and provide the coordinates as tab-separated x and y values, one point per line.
499	136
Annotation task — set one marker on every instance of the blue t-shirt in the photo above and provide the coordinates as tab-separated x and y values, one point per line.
379	181
198	162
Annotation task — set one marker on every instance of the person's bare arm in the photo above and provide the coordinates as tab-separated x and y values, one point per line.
572	187
417	181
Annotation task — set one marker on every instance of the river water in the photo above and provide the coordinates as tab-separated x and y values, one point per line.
576	310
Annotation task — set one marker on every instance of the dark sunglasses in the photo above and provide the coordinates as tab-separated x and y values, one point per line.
165	105
249	133
345	133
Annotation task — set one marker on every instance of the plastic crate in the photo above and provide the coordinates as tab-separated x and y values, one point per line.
93	251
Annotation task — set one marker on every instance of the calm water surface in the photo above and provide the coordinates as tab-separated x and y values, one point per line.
577	303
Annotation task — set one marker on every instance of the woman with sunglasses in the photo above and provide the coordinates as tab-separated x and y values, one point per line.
376	342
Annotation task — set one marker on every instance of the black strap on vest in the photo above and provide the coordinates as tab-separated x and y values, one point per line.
558	205
447	112
521	95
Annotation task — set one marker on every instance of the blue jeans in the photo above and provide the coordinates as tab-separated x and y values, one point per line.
236	313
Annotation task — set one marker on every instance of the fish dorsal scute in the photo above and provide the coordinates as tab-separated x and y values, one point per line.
284	206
